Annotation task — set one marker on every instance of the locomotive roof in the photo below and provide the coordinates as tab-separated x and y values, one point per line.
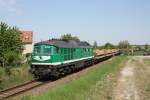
65	44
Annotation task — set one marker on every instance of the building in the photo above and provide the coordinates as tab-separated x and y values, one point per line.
27	39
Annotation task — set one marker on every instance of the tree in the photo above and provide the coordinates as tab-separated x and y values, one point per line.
68	37
11	45
146	47
76	39
108	46
124	45
95	45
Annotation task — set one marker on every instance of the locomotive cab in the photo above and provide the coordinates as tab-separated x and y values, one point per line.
46	55
42	58
41	53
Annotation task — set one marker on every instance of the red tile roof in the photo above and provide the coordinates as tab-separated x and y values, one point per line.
27	37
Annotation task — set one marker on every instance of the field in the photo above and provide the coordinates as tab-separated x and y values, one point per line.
97	83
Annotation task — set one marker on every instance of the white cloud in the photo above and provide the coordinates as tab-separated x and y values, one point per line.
9	5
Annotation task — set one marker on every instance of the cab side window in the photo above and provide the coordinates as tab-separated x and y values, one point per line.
56	49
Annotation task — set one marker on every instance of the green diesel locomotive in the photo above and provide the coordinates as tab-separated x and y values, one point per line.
55	57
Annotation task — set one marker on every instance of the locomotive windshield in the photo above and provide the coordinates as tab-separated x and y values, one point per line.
47	50
42	49
37	50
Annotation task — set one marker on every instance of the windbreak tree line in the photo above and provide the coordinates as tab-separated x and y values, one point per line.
123	46
11	46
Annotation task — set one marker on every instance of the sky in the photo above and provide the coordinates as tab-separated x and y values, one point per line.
90	20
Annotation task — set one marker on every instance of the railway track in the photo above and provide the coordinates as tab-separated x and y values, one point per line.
7	93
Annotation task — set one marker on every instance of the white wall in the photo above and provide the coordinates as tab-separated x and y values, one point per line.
28	48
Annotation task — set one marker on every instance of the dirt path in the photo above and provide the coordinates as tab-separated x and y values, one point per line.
126	86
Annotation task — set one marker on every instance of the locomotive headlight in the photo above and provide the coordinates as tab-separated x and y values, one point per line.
42	58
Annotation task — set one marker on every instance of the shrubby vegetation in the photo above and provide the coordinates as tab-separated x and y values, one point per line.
17	76
11	46
13	68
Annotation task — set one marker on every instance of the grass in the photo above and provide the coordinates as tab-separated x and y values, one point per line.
142	72
138	53
83	87
17	76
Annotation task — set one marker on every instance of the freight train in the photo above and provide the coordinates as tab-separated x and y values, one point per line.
55	58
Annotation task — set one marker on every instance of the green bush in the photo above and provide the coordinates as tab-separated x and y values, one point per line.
11	57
